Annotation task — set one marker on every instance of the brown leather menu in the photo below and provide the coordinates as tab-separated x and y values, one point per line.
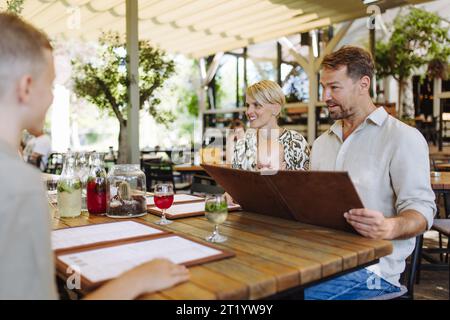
312	197
187	209
177	199
99	262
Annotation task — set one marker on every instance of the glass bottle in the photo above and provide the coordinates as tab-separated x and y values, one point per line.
82	169
96	186
126	192
69	189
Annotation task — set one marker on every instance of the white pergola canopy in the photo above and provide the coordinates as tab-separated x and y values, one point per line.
196	28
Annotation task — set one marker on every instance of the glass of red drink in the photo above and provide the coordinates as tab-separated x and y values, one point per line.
163	197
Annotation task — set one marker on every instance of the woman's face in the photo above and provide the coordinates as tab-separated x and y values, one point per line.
260	115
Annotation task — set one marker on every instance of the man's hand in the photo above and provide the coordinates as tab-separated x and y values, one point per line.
371	224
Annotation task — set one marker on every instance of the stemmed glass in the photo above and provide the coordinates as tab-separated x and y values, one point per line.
216	211
163	197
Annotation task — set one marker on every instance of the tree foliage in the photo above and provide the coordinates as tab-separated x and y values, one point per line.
103	80
14	6
418	38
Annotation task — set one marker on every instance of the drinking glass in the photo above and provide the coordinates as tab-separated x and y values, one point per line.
163	197
216	211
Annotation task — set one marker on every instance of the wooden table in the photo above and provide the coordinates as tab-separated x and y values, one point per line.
440	157
442	166
442	182
188	168
274	257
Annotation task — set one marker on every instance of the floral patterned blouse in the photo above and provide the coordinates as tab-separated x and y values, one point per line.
295	147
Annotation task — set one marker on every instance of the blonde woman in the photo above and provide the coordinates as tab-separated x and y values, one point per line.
266	145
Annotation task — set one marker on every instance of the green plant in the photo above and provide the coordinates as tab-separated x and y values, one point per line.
103	81
14	6
418	38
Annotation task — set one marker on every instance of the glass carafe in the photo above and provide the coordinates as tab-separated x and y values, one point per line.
126	192
96	186
69	189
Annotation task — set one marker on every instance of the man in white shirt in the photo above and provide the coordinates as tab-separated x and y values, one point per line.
27	269
387	161
37	150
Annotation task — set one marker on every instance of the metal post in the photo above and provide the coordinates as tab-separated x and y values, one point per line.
373	91
313	92
245	69
437	108
440	126
279	61
133	154
237	81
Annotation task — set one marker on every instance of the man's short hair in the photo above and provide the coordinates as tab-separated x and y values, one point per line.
358	61
21	50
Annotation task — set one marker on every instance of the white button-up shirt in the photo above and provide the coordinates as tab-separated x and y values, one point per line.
388	163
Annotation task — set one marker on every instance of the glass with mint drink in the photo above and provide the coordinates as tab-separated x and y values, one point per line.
216	211
69	190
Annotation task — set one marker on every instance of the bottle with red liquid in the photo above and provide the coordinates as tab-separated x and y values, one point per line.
96	186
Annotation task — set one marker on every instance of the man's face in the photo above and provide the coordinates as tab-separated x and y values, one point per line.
340	93
41	96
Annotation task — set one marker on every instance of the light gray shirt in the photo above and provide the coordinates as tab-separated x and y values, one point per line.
26	259
388	163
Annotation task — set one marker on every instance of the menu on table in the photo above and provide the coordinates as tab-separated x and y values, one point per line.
101	252
184	210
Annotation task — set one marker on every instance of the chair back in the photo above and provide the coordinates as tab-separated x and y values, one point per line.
157	172
408	277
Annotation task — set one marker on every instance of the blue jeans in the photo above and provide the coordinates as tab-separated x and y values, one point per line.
359	285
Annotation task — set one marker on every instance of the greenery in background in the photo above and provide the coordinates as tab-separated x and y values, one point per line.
419	38
188	98
221	96
14	6
103	81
